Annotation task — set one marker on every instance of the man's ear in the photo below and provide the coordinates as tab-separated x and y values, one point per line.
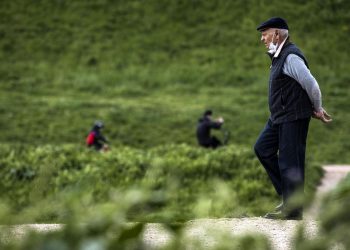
277	33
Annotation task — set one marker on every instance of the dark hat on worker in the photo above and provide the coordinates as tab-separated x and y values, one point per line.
274	22
98	124
208	112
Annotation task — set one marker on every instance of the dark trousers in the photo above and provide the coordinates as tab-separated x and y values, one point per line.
213	143
281	150
97	146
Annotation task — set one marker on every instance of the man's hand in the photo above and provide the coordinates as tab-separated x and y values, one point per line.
322	115
105	148
220	120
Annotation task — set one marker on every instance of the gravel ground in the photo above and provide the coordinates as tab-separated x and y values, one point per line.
279	232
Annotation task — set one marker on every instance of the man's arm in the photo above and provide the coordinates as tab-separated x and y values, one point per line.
295	67
217	123
100	137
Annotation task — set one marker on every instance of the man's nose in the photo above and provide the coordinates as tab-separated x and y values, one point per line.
262	39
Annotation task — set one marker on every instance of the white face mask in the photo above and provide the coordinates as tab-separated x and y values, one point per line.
272	47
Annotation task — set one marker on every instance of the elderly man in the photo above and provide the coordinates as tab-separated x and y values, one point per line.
294	96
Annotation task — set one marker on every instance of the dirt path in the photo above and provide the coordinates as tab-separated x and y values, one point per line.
279	232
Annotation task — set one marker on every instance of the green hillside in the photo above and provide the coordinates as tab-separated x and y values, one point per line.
148	69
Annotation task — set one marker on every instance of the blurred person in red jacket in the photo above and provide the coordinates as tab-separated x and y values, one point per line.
95	139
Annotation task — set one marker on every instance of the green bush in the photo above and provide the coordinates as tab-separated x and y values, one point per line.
97	194
172	178
177	175
334	221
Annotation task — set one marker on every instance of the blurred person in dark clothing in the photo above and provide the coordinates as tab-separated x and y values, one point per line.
205	124
95	138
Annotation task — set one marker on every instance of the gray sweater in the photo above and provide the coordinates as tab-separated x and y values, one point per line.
295	67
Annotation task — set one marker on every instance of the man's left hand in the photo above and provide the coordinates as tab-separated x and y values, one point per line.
322	115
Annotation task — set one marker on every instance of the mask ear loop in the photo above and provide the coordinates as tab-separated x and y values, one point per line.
273	48
274	35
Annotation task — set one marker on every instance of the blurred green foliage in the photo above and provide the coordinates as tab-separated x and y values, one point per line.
334	221
173	180
96	194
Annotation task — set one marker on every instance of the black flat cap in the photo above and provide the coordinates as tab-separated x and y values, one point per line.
208	112
274	22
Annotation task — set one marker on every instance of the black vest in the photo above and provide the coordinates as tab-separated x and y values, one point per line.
288	101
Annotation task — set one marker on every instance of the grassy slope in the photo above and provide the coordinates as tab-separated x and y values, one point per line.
150	68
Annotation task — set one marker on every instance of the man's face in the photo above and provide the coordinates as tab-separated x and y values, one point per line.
268	36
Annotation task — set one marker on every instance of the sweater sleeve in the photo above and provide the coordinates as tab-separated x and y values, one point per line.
295	67
100	137
215	125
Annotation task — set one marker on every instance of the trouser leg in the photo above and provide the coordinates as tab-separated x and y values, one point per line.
266	149
292	147
215	142
98	145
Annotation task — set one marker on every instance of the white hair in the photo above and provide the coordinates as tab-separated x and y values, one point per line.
283	33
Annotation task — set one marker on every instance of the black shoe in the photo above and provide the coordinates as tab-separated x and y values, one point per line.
280	215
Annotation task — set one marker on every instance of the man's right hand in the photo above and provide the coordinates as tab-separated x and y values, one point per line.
220	120
322	115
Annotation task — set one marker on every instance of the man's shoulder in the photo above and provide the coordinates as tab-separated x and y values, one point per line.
293	58
292	53
291	48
